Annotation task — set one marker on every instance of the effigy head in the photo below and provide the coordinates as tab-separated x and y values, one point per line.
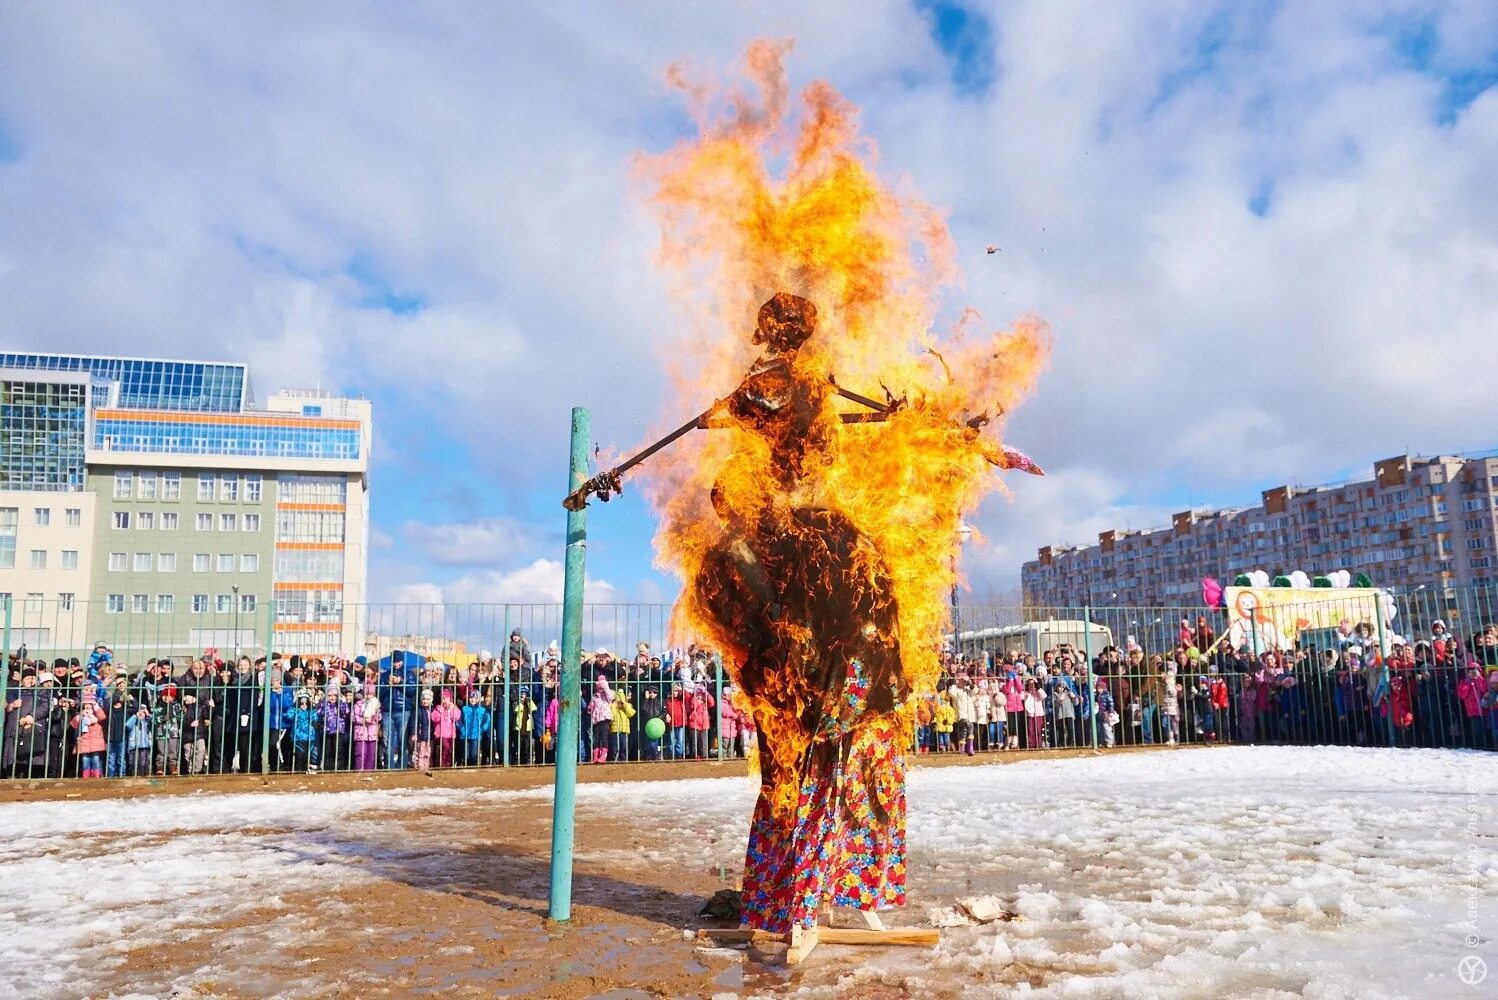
786	322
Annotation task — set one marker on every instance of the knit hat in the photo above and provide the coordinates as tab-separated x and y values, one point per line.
170	691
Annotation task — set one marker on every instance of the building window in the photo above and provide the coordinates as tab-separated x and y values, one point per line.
9	518
122	486
252	488
228	522
69	558
114	604
142	562
145	520
38	558
65	602
205	522
201	562
224	603
117	562
166	562
229	489
252	522
165	604
205	485
169	520
73	517
145	486
247	604
140	604
41	516
33	605
171	486
199	604
249	562
226	562
122	519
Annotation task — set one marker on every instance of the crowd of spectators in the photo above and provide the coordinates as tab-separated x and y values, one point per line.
209	715
1437	691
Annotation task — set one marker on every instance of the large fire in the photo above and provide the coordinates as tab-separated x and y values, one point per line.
770	199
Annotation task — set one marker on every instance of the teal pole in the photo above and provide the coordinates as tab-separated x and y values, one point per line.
504	660
569	684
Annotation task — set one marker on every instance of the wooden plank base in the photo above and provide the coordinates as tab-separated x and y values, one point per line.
802	940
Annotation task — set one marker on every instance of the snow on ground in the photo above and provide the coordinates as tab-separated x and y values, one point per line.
1253	871
1246	871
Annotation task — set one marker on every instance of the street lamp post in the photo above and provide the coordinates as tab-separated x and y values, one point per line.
963	534
235	588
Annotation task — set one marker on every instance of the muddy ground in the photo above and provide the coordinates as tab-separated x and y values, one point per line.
453	900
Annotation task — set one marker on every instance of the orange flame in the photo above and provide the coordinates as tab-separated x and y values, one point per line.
763	201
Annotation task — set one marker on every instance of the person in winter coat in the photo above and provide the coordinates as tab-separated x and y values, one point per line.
524	729
138	741
622	710
946	721
962	702
676	716
1034	714
1490	709
166	726
121	706
1064	708
1167	696
1248	709
1469	692
1206	713
728	723
366	718
89	722
423	728
303	721
1292	709
925	719
601	716
1107	713
700	704
982	712
475	724
652	707
446	718
335	746
1013	690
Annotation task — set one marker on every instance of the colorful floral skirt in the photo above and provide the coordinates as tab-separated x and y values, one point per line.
845	845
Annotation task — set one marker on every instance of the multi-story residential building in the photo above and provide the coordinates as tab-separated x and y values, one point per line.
151	505
1416	520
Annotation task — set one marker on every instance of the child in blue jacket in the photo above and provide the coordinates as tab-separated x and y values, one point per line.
473	727
303	721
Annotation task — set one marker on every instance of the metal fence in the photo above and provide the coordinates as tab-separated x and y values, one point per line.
438	686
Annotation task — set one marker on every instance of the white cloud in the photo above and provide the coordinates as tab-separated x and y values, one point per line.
482	542
191	182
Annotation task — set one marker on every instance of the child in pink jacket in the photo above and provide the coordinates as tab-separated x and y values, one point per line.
90	725
445	719
700	704
601	715
367	716
1013	690
1469	691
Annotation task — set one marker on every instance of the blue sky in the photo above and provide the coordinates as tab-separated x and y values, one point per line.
1263	233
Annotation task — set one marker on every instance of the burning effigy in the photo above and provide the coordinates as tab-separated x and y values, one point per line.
815	524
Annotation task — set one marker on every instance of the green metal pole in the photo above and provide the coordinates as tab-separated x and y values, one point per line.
1094	718
1383	655
569	684
504	660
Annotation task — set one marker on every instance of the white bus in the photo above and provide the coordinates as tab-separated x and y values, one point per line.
1035	638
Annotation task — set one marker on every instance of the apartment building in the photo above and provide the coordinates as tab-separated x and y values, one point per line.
155	506
1416	520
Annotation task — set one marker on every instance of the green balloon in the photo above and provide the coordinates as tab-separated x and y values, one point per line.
655	729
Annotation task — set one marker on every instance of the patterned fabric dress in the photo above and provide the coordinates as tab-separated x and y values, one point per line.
845	846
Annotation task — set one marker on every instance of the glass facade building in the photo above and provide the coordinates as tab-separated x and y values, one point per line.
42	433
271	435
144	383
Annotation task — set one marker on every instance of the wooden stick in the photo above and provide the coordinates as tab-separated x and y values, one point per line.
911	936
